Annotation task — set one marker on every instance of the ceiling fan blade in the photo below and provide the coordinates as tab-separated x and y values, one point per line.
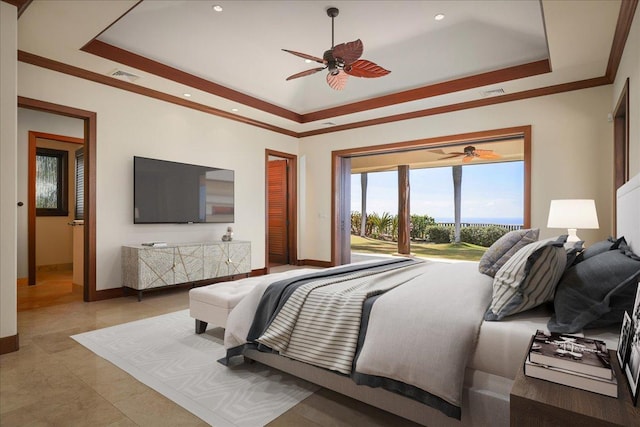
467	159
452	156
364	68
305	73
487	154
349	52
337	81
305	56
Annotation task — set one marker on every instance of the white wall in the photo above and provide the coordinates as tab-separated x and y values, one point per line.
630	68
132	125
37	121
571	155
8	158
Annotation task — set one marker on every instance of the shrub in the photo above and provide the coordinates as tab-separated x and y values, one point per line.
356	220
493	233
482	236
439	234
472	234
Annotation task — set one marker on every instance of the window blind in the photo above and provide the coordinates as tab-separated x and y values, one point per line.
79	214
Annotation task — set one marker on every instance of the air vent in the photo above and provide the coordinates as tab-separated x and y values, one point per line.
123	75
492	92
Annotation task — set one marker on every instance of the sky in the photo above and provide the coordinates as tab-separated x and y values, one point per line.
490	191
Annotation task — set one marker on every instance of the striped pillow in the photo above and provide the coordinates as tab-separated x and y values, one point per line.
528	278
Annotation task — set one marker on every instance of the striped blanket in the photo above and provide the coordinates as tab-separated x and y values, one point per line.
415	339
320	322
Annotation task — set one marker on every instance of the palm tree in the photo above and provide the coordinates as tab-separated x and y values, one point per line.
457	193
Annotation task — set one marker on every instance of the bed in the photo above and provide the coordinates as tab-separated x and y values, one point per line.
459	370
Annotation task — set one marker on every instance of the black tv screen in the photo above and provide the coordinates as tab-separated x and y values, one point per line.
170	192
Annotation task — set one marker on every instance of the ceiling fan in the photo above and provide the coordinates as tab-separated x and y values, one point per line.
342	61
469	153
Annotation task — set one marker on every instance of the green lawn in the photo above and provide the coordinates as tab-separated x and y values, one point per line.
461	251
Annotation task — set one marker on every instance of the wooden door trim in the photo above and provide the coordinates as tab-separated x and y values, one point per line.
292	204
31	195
620	146
90	144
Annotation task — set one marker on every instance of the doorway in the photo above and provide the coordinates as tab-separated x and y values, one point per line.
343	164
50	239
89	118
281	214
54	221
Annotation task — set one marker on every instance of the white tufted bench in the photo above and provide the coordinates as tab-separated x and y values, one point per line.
213	303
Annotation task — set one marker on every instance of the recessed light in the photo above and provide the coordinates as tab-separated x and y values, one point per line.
187	95
217	8
439	17
308	61
235	110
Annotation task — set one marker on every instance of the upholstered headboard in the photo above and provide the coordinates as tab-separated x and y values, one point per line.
628	213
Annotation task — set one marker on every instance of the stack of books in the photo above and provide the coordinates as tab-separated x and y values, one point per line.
573	361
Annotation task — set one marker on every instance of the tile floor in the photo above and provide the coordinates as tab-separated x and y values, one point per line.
54	381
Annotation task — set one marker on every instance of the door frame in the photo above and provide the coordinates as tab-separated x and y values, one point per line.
292	204
341	176
90	293
31	191
620	145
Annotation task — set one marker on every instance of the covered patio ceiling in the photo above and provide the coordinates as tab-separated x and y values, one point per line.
509	150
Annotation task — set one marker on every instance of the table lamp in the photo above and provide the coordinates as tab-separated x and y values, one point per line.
573	214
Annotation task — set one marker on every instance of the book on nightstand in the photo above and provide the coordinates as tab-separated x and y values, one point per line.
607	387
569	352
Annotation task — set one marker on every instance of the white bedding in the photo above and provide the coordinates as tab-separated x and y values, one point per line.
421	334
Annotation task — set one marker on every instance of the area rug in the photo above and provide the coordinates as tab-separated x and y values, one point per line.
165	354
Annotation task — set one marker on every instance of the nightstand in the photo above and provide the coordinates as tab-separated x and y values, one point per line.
536	402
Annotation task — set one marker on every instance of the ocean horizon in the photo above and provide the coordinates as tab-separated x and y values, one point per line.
488	220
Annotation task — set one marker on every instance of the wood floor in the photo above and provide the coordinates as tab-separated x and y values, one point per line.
54	381
51	288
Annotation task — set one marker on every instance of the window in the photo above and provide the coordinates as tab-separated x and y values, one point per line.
51	182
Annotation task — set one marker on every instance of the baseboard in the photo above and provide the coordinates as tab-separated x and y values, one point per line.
55	267
258	272
9	344
107	294
315	263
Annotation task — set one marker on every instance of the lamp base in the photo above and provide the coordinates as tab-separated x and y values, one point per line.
573	236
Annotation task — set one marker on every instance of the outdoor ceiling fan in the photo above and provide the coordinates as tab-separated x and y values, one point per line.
342	61
469	153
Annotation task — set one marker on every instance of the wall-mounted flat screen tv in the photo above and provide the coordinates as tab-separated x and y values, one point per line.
170	192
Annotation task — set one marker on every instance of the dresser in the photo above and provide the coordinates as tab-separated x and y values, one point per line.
150	267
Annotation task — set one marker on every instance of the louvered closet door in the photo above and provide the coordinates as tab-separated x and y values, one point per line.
278	212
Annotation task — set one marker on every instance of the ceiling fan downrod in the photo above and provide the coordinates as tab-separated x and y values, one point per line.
332	12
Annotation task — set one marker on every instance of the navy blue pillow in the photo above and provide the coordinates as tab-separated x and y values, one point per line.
596	292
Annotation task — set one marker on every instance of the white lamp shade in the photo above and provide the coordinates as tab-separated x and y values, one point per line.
573	213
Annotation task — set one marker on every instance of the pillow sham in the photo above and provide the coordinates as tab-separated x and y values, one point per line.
596	292
504	248
573	250
600	247
528	279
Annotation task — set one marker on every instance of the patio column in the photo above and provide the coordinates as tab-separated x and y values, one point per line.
404	218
